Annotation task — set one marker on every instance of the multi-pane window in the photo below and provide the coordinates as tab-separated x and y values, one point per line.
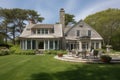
97	45
38	31
28	44
78	33
42	31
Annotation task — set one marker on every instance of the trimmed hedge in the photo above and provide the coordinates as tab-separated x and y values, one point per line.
16	50
55	52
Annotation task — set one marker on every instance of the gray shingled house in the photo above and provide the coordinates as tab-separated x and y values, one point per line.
58	36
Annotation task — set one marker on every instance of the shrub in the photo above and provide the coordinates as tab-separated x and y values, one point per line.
50	52
4	52
105	58
16	50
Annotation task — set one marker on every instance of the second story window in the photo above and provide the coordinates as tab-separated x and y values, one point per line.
38	31
89	33
78	33
46	31
42	31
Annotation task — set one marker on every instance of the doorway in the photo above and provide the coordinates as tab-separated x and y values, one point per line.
41	45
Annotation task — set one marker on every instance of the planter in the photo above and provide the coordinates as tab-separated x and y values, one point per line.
60	55
105	58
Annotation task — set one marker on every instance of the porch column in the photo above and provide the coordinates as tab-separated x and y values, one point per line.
31	43
89	47
48	44
25	44
36	44
99	45
80	46
21	44
58	44
44	44
54	44
94	45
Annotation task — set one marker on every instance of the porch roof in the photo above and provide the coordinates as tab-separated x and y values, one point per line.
43	36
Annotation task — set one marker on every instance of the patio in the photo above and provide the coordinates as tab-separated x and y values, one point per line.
87	59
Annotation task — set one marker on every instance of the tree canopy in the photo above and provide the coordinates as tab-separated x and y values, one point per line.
14	20
107	23
69	18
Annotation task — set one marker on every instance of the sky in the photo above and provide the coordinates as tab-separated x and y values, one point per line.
49	9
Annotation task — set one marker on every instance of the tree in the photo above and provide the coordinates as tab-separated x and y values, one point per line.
14	20
69	18
107	23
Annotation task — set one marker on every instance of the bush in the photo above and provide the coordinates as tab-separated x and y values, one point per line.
16	50
4	52
54	52
105	58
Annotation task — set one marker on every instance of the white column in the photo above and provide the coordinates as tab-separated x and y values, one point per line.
36	44
94	45
53	44
57	44
48	44
99	45
44	44
89	46
21	44
25	44
31	44
80	46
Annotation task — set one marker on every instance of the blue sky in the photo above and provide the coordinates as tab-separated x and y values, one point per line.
49	9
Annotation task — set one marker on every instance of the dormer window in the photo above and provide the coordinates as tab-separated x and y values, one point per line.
42	31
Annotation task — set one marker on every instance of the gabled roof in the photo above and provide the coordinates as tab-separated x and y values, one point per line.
27	32
81	23
43	26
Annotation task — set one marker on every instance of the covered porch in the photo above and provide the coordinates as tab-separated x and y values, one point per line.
43	44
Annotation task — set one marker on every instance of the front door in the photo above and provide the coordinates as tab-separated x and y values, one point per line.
41	45
84	45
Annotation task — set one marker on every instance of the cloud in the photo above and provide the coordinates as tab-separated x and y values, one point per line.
98	6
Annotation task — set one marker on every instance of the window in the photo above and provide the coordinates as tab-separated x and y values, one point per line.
89	33
97	45
52	30
33	44
38	31
46	31
28	44
46	44
78	32
42	31
51	44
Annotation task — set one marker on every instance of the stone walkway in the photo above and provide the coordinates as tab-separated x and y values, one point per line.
86	60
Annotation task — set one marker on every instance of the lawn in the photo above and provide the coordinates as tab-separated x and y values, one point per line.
45	67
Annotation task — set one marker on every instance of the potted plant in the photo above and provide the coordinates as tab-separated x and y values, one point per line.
60	53
105	58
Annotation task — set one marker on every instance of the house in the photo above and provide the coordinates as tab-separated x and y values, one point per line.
80	36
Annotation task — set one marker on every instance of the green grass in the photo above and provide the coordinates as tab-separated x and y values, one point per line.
35	67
